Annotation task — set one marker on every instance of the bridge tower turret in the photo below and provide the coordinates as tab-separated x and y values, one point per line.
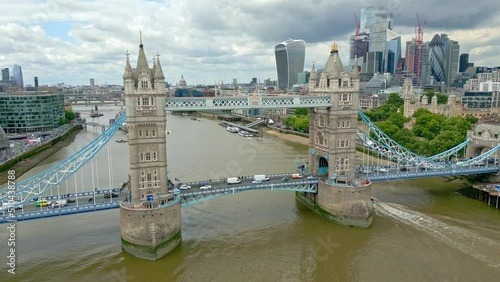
342	197
150	219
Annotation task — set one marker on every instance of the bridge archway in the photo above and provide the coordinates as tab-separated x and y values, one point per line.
322	166
483	137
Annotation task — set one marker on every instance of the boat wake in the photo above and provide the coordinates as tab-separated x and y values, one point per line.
484	249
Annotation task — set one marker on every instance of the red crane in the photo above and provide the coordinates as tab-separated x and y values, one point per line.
420	41
356	35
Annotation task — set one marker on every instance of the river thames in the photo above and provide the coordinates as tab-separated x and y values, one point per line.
423	229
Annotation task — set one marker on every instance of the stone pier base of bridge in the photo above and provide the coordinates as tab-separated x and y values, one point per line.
150	233
346	205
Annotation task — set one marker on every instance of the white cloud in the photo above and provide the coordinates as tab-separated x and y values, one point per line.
205	40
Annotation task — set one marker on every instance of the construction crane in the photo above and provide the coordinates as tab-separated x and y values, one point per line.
420	41
356	36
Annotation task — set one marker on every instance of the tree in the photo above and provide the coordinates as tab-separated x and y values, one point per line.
301	112
289	121
393	104
397	119
471	119
69	115
301	123
394	100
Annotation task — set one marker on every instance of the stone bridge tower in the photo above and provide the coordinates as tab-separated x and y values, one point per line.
341	197
484	136
150	220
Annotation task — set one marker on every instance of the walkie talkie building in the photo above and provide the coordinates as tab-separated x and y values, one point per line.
290	57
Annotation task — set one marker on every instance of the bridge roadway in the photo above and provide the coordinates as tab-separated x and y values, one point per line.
194	195
395	172
221	188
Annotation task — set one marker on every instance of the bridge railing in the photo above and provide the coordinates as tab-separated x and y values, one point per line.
59	212
246	177
277	186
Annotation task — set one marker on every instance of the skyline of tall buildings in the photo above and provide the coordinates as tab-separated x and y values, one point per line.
378	49
290	56
375	44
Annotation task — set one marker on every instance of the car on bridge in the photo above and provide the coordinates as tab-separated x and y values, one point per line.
297	176
110	195
493	160
59	204
42	203
382	170
184	187
257	181
312	177
206	187
6	206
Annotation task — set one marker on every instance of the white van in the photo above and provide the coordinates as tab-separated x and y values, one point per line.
59	203
261	177
233	180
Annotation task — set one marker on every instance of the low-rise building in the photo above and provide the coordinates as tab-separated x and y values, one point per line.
23	112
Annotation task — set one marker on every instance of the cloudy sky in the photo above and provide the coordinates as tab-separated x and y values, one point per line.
211	40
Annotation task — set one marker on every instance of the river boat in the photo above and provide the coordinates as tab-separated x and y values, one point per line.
232	129
96	114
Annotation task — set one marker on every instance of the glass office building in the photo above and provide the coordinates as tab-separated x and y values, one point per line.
17	76
290	56
384	53
33	112
373	15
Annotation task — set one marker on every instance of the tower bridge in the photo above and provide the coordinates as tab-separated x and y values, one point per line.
150	214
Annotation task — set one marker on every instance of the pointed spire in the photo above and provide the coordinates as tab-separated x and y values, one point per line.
355	71
314	74
128	69
142	62
140	39
158	71
334	65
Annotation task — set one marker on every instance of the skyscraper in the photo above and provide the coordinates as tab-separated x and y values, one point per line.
92	82
452	51
464	61
443	58
384	53
5	75
361	45
359	48
437	58
417	68
373	15
290	56
36	82
17	76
